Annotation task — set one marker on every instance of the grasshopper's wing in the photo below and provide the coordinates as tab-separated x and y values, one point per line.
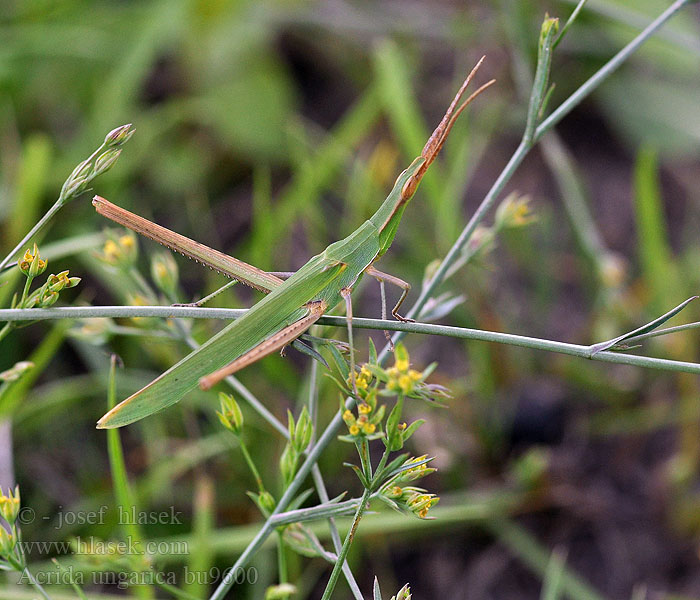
278	341
282	307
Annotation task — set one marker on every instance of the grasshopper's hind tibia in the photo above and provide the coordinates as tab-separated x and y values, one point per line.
268	346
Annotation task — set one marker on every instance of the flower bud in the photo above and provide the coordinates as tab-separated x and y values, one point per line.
164	272
105	161
288	463
9	505
266	500
49	299
7	542
32	264
119	135
230	416
403	594
58	282
75	186
302	432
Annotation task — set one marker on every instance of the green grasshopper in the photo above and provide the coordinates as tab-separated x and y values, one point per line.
292	305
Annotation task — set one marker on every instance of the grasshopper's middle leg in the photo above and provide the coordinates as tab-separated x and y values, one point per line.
346	294
404	285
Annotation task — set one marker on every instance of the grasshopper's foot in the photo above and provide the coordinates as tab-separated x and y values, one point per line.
398	317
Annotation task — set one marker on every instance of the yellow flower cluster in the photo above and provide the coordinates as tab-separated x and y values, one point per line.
362	380
360	425
401	377
412	499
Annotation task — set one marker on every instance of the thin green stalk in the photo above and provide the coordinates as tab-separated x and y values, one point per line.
5	330
608	69
320	484
281	559
76	183
333	580
24	570
268	527
569	22
37	586
80	312
122	490
33	231
251	465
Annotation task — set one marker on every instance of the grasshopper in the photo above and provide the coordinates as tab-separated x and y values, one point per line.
291	305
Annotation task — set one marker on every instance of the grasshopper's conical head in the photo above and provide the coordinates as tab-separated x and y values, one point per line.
437	139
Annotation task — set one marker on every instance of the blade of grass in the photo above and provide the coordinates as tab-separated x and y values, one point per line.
122	490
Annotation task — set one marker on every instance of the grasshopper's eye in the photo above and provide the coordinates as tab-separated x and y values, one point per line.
409	188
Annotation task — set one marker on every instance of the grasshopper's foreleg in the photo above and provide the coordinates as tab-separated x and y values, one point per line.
268	346
382	278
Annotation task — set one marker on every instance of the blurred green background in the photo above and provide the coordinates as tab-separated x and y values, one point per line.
270	129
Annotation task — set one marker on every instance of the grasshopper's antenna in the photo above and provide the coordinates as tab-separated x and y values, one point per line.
437	139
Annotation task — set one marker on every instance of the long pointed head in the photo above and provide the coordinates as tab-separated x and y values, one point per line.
437	139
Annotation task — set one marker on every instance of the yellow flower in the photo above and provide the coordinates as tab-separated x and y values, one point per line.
111	251
406	384
364	408
369	428
402	365
354	430
126	241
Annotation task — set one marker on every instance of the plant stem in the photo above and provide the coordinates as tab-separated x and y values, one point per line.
5	330
34	230
330	586
256	543
80	312
606	70
281	559
24	570
251	465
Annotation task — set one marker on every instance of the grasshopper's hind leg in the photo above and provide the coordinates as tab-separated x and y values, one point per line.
268	346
